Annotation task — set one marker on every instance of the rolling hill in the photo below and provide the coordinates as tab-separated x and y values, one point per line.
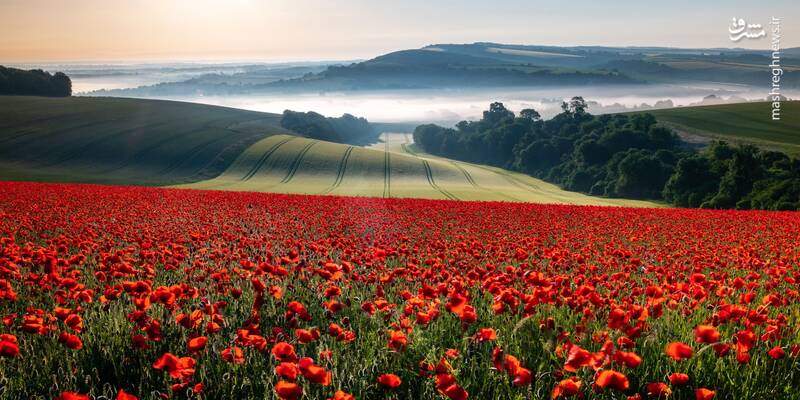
483	65
151	142
644	64
394	168
739	123
116	140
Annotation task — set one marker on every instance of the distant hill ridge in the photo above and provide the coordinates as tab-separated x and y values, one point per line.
485	64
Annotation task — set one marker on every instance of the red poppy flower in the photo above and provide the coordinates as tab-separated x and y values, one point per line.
197	344
743	358
397	340
72	396
178	368
679	379
485	334
342	395
287	370
325	354
721	349
745	340
628	359
704	394
335	330
288	390
679	351
511	364
284	352
522	377
454	392
706	334
233	355
498	355
452	353
305	336
443	367
567	388
313	372
389	380
75	322
577	358
658	390
612	379
34	324
776	353
122	395
8	345
70	340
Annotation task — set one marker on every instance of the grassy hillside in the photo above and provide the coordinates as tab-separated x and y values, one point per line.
147	142
288	164
116	140
746	123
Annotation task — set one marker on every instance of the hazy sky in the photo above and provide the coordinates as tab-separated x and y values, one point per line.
272	30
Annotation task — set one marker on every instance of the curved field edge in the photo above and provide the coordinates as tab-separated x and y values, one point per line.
386	170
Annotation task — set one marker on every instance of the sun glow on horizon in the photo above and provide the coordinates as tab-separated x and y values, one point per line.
223	30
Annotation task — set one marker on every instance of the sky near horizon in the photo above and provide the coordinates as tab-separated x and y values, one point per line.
290	30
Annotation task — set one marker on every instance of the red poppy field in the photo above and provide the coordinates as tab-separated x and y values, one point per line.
123	292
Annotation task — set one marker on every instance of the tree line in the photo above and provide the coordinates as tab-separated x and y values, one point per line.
619	155
34	82
344	129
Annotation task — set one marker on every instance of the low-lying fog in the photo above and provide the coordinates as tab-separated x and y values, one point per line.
450	106
414	106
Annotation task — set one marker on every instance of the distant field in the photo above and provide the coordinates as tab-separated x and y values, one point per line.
287	164
126	141
745	123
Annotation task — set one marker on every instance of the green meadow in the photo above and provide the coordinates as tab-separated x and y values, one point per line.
739	123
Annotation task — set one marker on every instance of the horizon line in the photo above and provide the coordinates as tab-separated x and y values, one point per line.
236	59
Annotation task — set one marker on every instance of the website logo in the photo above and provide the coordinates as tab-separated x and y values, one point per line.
740	29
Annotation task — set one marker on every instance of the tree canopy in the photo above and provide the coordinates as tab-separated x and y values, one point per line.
620	155
344	129
34	82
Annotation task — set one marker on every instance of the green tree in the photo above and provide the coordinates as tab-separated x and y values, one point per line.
530	114
497	112
693	182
